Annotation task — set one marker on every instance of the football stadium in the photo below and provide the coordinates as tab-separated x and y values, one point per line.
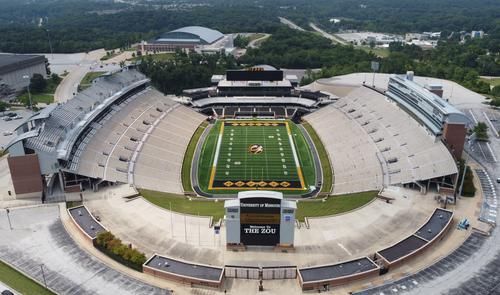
337	184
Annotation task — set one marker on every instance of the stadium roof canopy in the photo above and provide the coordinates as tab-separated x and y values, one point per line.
192	34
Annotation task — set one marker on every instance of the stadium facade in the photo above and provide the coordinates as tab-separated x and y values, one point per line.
260	91
441	118
192	38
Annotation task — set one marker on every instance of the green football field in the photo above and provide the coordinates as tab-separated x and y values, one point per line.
244	155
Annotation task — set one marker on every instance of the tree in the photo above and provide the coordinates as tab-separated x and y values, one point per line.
37	83
241	41
3	106
55	78
481	130
496	91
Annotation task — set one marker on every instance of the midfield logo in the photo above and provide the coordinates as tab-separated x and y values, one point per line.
255	149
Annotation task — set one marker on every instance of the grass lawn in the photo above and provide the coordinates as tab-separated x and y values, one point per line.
188	158
182	204
306	208
279	145
87	80
156	57
256	36
380	52
493	82
20	282
323	157
333	205
46	98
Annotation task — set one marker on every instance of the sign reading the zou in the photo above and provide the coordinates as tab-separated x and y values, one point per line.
255	219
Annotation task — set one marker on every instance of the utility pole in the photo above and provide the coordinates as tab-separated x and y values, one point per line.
29	92
185	229
171	221
8	217
50	44
43	276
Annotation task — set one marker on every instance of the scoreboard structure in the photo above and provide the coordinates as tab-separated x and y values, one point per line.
260	218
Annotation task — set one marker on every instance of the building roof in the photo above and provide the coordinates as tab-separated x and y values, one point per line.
13	62
61	124
253	100
192	34
185	269
86	221
335	271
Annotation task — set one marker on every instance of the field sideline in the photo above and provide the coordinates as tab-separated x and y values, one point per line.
305	208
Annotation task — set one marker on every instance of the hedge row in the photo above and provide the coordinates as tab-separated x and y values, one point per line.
112	246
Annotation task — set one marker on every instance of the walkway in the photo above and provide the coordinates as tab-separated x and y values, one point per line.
39	239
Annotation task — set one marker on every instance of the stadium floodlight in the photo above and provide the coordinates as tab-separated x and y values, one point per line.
29	93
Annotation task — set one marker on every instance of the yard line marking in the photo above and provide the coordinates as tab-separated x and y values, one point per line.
265	155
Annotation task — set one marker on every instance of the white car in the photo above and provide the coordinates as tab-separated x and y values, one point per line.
7	133
17	118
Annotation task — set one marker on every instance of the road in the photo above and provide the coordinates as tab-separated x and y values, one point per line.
290	24
5	287
334	38
69	85
256	43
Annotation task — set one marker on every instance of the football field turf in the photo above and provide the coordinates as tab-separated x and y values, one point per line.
256	155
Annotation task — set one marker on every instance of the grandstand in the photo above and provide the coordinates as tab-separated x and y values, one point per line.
376	144
260	91
108	133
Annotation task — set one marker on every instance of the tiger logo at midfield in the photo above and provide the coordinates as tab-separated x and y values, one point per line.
255	149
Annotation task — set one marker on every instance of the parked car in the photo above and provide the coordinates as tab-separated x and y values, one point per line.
17	118
7	133
7	292
7	118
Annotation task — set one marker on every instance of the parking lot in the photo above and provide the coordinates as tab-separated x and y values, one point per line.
9	126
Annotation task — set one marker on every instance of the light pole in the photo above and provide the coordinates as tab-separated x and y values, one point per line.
50	44
43	276
29	93
8	217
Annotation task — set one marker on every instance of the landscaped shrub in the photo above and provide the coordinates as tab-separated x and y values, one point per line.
110	245
468	188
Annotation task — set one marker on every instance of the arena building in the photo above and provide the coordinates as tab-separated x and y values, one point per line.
14	68
192	38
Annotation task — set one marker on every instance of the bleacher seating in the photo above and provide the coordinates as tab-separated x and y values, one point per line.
371	141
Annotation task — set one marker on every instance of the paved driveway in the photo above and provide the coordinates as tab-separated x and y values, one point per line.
39	238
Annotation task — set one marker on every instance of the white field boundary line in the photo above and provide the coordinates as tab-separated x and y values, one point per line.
491	125
217	149
294	152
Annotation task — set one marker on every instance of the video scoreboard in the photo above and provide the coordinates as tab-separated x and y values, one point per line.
260	218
